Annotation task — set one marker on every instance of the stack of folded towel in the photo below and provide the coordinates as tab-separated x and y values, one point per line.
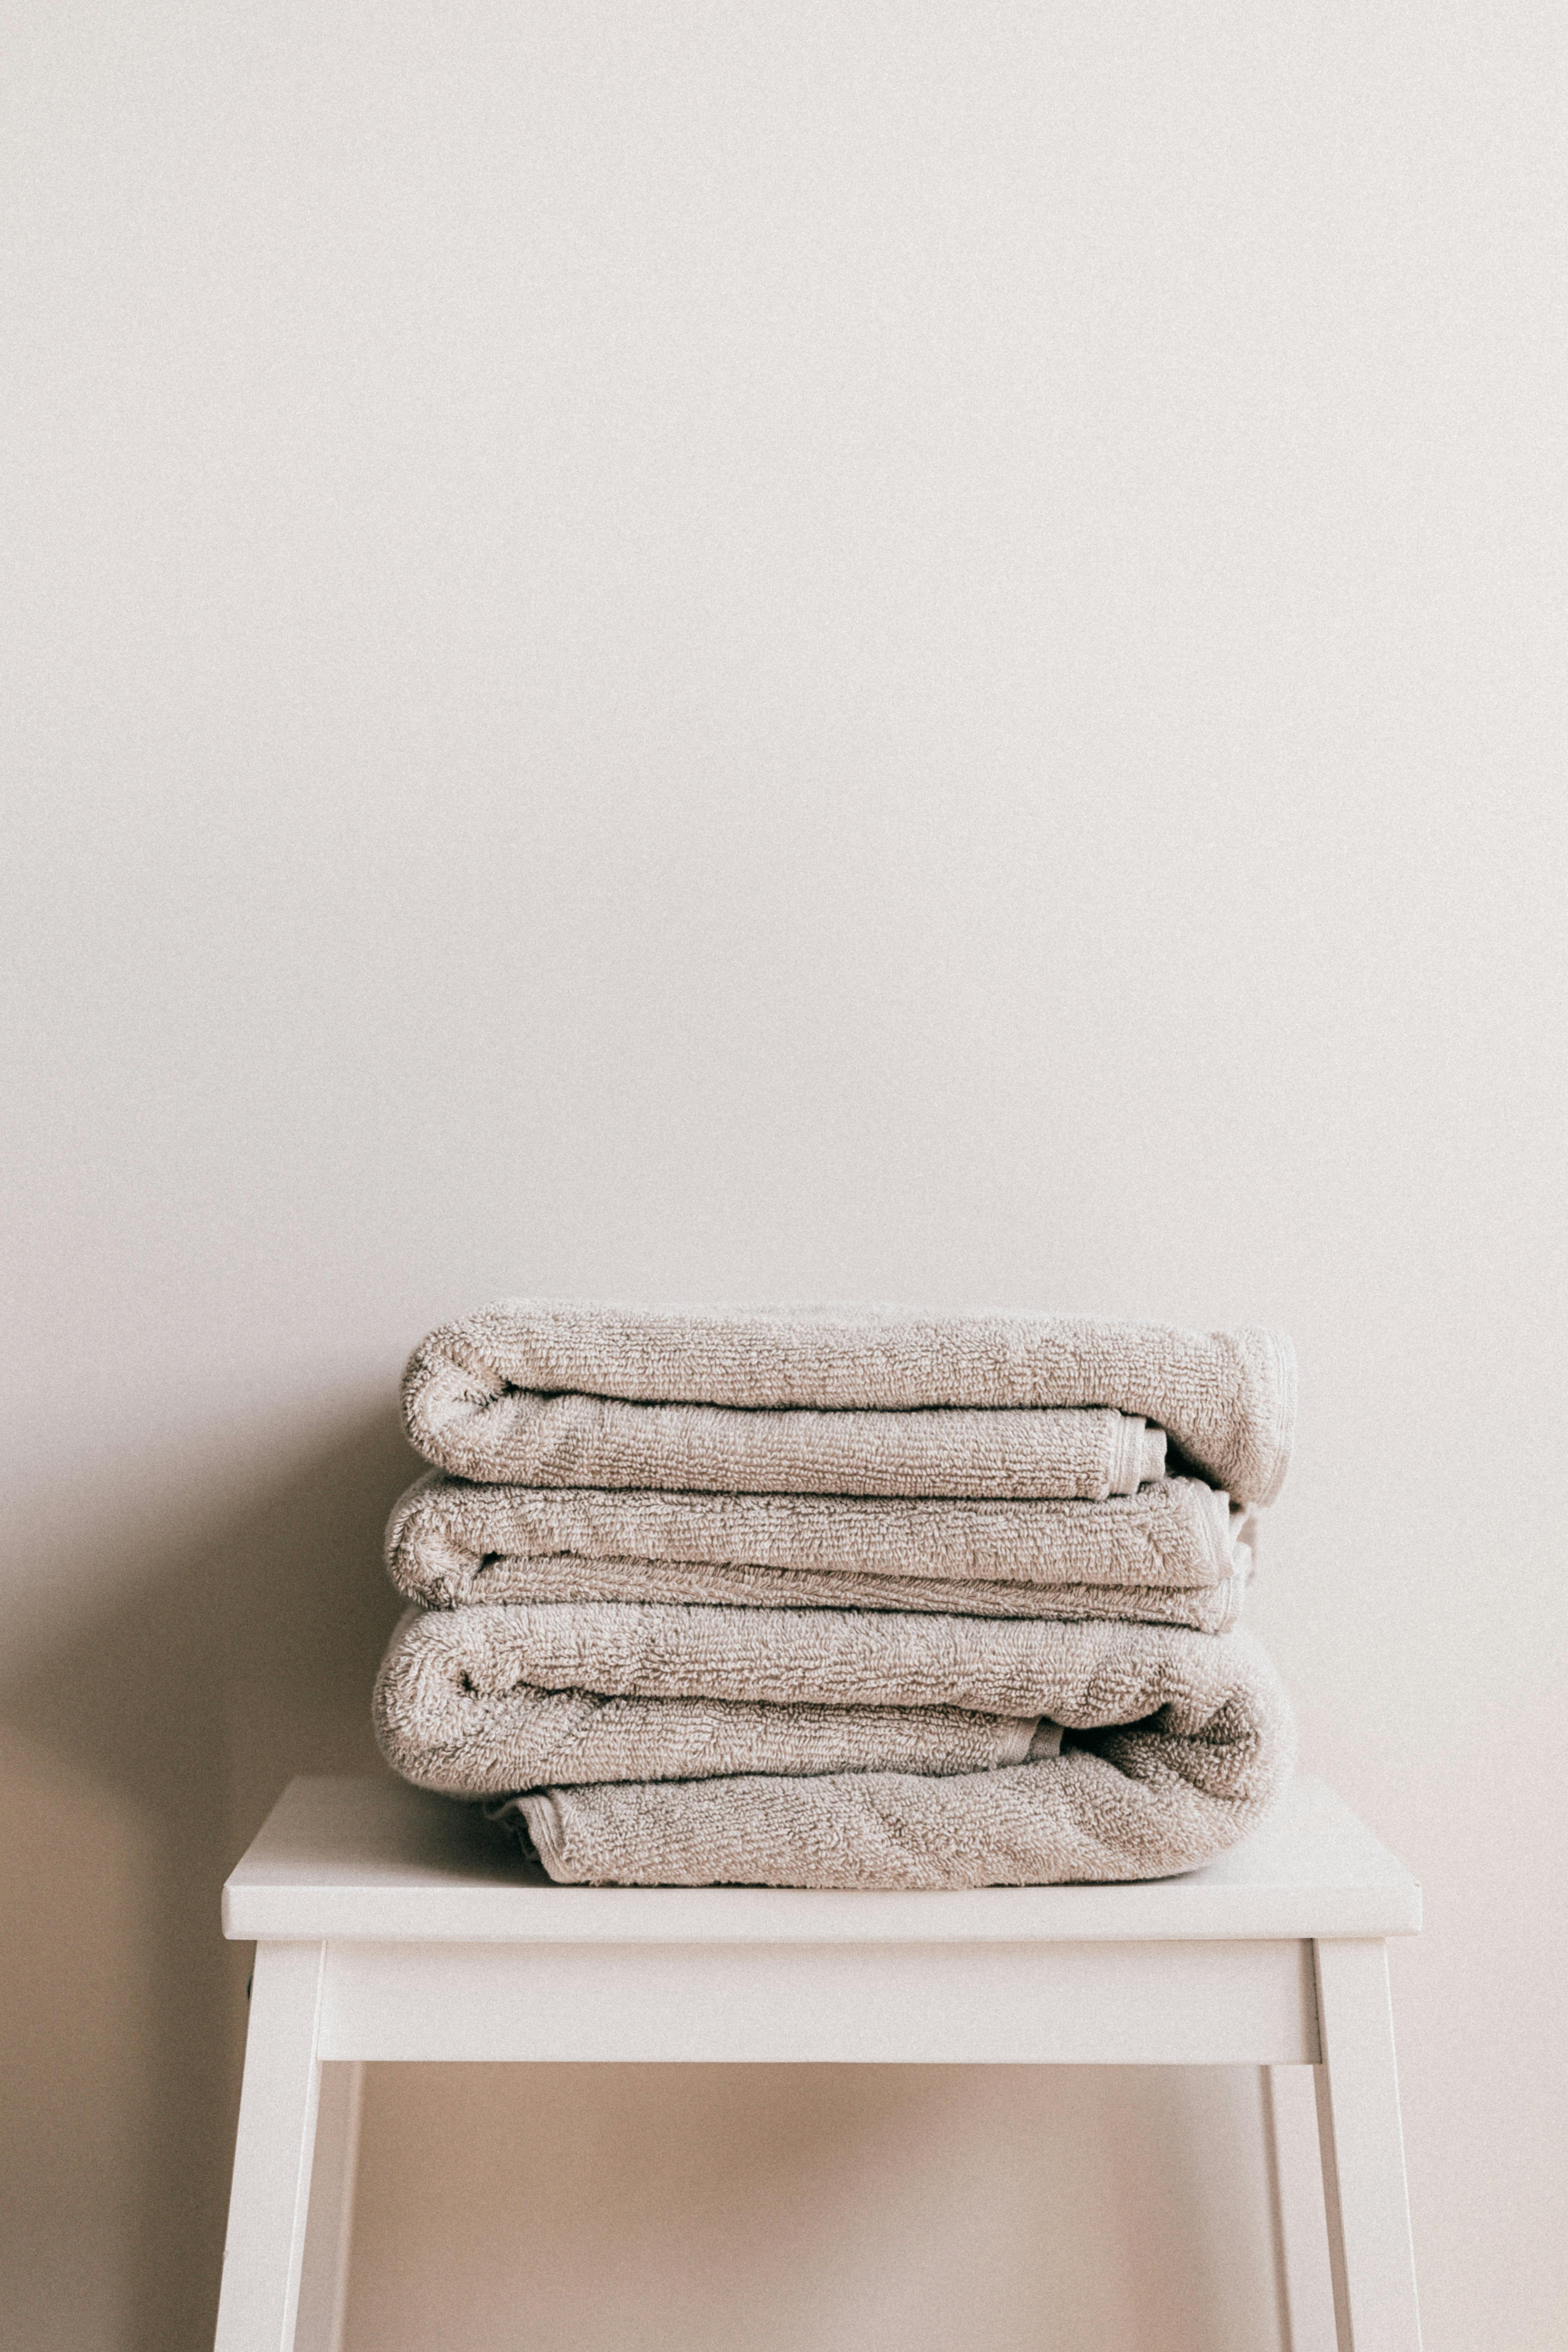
839	1599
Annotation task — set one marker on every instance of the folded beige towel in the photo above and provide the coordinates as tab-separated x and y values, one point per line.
451	1542
1174	1553
482	1701
1208	1745
869	1402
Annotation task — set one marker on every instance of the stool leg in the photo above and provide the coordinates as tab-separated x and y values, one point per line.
324	2274
1363	2146
1306	2297
273	2151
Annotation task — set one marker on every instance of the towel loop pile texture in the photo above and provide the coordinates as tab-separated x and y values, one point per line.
839	1597
558	1394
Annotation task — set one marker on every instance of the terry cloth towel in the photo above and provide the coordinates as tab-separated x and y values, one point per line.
1177	1745
869	1402
486	1701
1174	1553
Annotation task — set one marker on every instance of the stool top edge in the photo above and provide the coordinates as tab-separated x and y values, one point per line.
371	1859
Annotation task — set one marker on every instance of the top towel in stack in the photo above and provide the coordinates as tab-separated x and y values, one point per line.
829	1598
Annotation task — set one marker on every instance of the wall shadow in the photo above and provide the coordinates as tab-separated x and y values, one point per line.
189	1705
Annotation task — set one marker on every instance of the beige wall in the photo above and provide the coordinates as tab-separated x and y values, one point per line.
728	652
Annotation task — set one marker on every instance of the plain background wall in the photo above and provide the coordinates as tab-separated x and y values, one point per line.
686	651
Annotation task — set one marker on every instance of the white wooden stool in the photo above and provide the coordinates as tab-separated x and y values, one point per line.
389	1923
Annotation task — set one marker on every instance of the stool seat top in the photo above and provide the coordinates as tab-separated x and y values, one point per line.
375	1860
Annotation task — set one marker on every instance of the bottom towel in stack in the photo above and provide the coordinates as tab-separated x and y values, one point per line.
696	1746
1016	1693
